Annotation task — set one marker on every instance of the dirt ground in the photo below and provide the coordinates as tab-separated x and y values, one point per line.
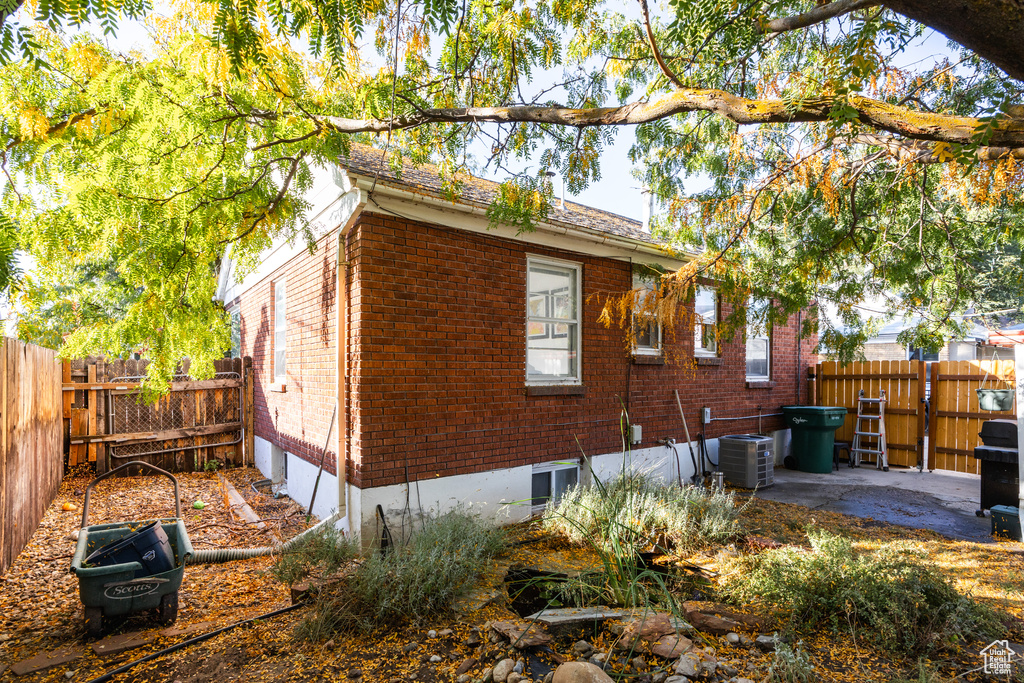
40	609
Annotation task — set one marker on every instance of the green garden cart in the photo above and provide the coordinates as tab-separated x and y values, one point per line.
129	567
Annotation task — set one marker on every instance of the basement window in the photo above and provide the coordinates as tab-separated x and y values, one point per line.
551	481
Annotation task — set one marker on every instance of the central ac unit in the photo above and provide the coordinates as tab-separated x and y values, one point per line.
747	460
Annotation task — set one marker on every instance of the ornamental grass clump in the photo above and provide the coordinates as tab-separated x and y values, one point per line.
408	582
893	595
632	514
636	511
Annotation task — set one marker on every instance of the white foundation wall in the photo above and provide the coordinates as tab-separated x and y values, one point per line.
659	462
501	495
301	479
263	453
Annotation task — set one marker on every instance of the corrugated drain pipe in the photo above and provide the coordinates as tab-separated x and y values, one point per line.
217	555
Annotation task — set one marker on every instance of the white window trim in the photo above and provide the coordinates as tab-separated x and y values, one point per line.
768	347
550	468
578	267
280	380
646	350
699	350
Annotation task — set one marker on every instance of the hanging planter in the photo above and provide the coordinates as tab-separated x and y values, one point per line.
995	399
1000	400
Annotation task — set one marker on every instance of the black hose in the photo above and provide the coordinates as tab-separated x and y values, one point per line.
261	482
192	641
696	470
705	453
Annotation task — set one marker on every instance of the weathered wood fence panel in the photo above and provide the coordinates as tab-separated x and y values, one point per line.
904	384
956	414
30	424
197	421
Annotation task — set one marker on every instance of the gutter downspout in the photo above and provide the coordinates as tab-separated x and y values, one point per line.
351	207
799	366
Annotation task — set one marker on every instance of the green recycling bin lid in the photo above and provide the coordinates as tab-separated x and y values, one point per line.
810	417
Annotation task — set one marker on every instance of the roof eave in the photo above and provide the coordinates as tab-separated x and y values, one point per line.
621	242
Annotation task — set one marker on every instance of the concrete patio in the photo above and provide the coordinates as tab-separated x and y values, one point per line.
941	501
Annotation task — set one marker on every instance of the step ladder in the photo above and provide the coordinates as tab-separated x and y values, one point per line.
871	426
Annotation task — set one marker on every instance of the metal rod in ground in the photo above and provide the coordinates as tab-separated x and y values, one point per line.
323	456
687	431
192	641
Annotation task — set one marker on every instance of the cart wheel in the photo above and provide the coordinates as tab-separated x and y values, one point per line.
979	513
94	622
885	469
169	608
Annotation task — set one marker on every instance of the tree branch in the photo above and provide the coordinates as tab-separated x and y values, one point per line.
817	15
921	153
669	74
882	116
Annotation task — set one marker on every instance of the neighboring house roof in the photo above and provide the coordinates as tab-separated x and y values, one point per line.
425	179
1008	336
888	333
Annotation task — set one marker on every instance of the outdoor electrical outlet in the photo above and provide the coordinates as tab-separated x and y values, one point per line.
636	434
705	416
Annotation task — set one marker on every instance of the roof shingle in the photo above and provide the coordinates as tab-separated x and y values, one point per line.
425	178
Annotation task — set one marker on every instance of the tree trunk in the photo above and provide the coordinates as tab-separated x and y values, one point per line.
992	28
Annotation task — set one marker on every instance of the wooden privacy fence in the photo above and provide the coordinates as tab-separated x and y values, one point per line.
108	423
904	384
950	387
31	462
956	416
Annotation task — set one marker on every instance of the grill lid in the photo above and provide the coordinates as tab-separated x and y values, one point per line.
996	454
999	433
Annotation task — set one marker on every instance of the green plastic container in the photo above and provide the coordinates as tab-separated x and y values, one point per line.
814	432
1006	522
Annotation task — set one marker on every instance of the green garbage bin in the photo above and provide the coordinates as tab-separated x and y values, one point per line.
814	431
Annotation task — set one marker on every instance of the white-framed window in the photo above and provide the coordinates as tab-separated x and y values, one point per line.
280	332
236	333
550	482
552	321
705	338
646	330
759	342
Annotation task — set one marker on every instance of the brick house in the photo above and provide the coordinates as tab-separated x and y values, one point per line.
472	368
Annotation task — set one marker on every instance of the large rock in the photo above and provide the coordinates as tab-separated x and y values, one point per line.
650	628
749	621
696	663
712	624
580	672
671	646
501	670
522	634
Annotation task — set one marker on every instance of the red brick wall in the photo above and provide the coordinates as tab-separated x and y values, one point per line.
438	363
297	419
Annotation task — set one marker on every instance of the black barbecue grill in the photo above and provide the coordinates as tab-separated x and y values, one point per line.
998	455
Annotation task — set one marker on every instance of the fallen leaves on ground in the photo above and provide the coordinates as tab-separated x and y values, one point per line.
40	609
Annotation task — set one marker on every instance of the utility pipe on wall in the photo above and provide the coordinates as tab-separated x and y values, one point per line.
352	204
